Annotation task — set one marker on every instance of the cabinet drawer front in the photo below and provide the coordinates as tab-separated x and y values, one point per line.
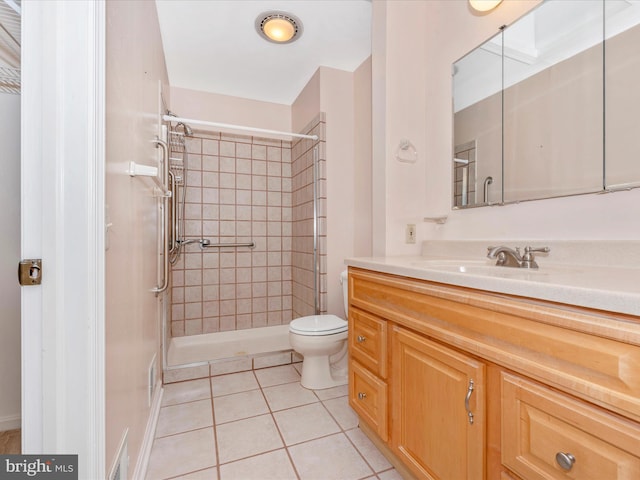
368	341
539	423
368	397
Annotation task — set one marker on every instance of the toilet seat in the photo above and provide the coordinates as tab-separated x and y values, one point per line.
316	325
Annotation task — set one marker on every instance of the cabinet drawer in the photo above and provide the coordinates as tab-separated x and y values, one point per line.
538	424
368	341
368	397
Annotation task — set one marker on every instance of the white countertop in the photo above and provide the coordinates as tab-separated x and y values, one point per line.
600	286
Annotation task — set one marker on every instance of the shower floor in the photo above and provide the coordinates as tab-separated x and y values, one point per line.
213	346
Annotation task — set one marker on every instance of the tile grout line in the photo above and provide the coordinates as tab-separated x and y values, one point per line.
270	411
273	418
344	432
215	430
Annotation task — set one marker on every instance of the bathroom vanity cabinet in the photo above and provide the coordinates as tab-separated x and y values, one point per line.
456	383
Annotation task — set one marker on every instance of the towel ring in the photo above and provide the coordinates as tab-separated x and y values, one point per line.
406	152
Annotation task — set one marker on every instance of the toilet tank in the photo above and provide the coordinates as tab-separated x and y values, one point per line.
344	276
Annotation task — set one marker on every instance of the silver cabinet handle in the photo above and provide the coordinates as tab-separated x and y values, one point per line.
466	402
565	460
361	338
362	395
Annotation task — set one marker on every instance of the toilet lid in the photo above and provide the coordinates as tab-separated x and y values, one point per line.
318	325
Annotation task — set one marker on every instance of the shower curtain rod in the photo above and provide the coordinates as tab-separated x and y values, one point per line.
170	118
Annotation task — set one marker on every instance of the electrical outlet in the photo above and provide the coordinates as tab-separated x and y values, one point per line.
410	233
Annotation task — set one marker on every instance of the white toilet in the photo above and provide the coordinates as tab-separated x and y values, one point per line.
322	341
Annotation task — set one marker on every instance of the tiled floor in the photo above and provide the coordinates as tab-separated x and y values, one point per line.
261	425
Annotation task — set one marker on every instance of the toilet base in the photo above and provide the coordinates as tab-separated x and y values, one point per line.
317	374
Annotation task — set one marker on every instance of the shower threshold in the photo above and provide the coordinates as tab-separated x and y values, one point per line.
208	347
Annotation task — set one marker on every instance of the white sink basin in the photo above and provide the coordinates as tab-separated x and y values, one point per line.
488	267
458	265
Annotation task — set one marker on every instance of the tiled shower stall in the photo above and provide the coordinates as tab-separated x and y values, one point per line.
243	188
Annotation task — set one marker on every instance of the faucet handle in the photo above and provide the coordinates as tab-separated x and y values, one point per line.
528	260
541	249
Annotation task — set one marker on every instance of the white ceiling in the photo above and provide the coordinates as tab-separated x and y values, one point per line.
212	45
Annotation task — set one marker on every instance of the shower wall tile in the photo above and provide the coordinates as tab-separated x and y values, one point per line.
239	188
301	227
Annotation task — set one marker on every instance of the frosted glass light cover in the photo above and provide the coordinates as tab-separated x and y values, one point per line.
484	5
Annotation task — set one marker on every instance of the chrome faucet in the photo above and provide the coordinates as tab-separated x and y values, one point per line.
508	257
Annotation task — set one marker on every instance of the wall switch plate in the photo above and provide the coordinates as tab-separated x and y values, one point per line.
410	233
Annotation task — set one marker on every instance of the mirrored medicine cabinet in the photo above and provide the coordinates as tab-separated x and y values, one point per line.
550	106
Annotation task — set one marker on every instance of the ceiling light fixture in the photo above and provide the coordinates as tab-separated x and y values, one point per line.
484	5
278	27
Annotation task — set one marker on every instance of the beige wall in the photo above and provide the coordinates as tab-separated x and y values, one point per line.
10	248
212	107
337	100
135	66
307	105
362	158
399	112
348	165
424	95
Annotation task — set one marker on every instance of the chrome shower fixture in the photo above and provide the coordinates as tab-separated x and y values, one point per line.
188	131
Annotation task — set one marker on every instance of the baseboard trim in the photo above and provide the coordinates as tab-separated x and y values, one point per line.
10	422
402	469
149	434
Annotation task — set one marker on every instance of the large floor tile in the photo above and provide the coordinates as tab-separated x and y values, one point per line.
247	437
181	454
233	383
184	417
239	405
288	395
183	392
207	474
316	425
305	423
390	475
329	458
368	450
333	392
268	466
277	375
341	411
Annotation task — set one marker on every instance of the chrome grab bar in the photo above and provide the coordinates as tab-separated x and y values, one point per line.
174	208
205	243
165	220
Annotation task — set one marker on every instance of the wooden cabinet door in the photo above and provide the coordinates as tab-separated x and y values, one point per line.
432	430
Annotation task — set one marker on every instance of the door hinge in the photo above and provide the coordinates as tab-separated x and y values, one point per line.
30	272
